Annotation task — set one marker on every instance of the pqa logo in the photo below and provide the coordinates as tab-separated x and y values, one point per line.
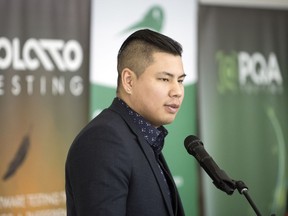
250	73
50	53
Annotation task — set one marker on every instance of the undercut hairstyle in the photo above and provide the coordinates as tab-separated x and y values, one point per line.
136	52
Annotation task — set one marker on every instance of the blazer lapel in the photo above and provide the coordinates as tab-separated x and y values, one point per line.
147	150
178	209
155	168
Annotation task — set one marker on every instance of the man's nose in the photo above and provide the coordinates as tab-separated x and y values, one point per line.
177	90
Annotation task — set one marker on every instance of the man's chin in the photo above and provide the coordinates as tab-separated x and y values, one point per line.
168	121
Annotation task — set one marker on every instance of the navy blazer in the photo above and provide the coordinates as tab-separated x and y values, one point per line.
112	171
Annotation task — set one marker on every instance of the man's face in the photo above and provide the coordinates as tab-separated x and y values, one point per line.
158	92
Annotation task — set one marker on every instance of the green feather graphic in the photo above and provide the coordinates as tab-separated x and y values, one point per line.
280	188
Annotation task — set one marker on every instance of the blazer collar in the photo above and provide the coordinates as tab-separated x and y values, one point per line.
154	136
147	150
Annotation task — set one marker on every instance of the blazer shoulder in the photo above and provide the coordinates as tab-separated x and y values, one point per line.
108	127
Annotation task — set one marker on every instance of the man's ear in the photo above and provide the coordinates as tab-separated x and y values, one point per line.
127	78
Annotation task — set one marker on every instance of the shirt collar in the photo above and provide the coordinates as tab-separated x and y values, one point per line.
154	136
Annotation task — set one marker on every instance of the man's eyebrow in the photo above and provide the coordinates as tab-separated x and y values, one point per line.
172	75
183	75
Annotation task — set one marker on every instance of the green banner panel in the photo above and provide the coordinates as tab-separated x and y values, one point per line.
243	105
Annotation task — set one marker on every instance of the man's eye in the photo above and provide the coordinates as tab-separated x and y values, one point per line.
181	81
164	79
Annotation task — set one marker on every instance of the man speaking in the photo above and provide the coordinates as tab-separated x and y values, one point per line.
115	166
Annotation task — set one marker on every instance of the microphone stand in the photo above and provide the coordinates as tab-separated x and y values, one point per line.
228	185
243	189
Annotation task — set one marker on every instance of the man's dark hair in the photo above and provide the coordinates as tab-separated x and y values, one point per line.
136	52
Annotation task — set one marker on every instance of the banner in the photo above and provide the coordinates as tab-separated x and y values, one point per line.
44	62
112	23
243	77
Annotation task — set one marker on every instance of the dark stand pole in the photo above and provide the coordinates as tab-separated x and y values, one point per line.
242	188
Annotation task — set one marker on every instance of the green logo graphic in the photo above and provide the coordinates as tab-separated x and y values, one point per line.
227	72
249	73
153	19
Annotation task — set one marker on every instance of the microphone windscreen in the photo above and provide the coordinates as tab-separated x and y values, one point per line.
191	142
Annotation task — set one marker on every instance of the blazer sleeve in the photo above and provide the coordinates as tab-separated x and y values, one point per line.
97	173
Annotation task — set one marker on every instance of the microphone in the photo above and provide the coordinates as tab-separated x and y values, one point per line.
195	147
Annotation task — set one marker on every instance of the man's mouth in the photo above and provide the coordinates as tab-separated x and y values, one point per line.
172	108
